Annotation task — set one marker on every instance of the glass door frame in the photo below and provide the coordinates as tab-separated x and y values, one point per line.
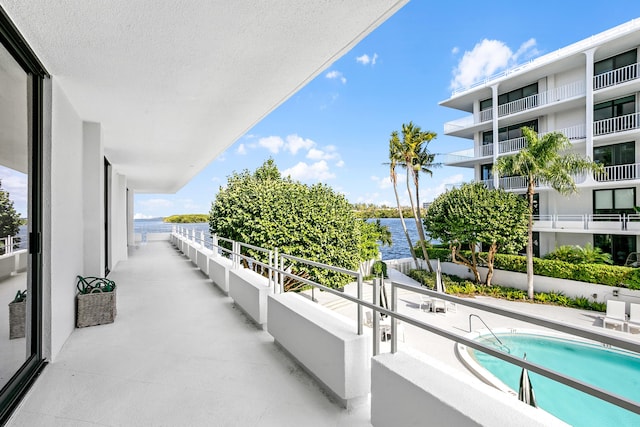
12	392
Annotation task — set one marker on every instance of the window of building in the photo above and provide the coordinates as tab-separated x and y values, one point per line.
614	201
515	131
616	154
520	93
486	172
486	104
615	108
615	62
487	138
618	246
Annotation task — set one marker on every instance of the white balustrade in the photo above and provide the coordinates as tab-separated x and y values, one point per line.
557	94
616	124
614	77
618	173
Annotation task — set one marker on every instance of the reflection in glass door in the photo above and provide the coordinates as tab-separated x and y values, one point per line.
21	137
14	193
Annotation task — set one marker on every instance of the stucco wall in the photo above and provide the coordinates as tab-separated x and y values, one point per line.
64	211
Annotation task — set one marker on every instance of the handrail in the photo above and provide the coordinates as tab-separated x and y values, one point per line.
395	316
485	325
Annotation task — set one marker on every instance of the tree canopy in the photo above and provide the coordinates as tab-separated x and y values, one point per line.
473	215
308	221
9	218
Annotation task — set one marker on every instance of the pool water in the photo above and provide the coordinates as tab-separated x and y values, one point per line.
615	371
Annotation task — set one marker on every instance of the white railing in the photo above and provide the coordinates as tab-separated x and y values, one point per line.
616	124
513	183
610	222
458	156
488	183
573	133
618	173
9	244
459	124
484	150
614	77
557	94
485	115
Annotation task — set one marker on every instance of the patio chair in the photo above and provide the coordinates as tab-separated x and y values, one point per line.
368	319
427	301
615	314
634	317
439	305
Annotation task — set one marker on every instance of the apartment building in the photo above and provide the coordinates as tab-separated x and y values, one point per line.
589	92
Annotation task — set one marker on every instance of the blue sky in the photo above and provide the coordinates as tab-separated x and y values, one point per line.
336	129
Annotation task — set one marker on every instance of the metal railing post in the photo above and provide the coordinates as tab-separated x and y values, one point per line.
394	325
276	273
376	318
360	320
282	275
214	243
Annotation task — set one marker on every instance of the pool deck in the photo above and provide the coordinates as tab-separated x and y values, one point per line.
458	321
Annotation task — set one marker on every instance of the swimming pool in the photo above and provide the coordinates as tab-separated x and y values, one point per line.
614	370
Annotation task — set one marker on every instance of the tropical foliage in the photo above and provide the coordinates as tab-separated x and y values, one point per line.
576	254
187	218
473	215
411	153
311	222
543	160
9	219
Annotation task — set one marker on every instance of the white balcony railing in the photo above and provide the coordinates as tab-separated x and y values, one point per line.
558	94
596	222
485	115
458	156
616	124
484	150
614	77
573	133
618	173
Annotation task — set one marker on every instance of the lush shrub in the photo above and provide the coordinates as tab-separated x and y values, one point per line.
603	274
580	255
461	287
186	219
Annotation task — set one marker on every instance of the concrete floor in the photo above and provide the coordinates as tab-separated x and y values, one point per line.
178	354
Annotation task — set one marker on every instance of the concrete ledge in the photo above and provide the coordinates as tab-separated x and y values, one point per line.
22	257
219	272
249	291
416	390
202	259
192	251
7	265
324	343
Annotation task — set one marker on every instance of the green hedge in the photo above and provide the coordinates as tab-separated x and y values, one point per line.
611	275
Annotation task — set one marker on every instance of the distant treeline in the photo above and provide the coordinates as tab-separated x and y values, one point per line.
367	210
187	218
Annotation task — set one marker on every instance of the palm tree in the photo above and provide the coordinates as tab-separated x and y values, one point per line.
541	161
394	150
412	154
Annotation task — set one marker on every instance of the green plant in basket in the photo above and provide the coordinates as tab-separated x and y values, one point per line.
20	296
90	285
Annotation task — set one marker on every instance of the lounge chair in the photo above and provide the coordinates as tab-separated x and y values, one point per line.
427	301
634	317
615	314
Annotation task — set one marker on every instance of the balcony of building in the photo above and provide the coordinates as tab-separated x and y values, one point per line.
552	100
616	125
616	83
588	223
182	352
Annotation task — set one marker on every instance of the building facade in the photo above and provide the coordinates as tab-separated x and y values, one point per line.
589	92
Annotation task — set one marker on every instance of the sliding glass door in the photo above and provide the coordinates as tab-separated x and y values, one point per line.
21	91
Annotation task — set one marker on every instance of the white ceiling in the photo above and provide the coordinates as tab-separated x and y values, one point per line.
174	83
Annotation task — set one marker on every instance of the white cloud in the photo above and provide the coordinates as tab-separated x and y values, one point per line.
295	143
487	58
17	185
336	75
455	50
340	163
271	143
242	150
385	182
429	193
142	216
318	171
328	153
366	59
155	203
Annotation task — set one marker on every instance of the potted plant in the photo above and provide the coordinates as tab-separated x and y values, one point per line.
18	315
95	302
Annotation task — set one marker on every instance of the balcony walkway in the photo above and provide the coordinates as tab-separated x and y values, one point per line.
178	354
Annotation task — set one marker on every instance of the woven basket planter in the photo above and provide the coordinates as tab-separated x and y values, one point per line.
17	319
97	308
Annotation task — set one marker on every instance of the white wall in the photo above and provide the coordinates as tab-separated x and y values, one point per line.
118	218
63	234
570	76
93	199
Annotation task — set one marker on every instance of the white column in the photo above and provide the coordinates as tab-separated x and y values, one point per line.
93	199
589	101
131	235
496	143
